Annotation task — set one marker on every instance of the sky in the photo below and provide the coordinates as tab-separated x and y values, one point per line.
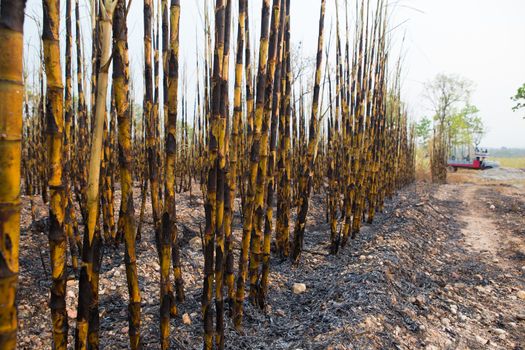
480	40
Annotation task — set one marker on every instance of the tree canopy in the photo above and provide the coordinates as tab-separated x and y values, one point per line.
423	129
446	93
466	127
519	98
449	100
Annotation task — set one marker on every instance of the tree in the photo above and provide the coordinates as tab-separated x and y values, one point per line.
519	98
465	127
445	95
423	129
445	92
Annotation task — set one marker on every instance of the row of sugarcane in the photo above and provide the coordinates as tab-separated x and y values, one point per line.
439	150
346	137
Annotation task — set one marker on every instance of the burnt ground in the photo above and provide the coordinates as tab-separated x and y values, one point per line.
440	268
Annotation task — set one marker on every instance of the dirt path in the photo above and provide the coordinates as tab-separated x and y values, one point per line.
485	302
481	233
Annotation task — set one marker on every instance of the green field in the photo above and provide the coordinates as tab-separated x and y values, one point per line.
510	162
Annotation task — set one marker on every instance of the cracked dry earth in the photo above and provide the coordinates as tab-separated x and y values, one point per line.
441	268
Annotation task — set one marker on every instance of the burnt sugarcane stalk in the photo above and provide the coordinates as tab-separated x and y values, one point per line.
88	287
121	93
55	129
282	228
212	205
255	146
270	170
223	200
260	196
235	151
305	181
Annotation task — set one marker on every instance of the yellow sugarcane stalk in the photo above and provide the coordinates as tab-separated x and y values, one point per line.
121	93
11	109
55	129
87	277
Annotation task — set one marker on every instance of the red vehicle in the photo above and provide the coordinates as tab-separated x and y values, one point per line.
478	163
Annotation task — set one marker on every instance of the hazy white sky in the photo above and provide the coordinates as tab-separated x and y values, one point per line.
481	40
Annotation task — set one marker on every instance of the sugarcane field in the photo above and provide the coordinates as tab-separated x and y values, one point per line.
262	174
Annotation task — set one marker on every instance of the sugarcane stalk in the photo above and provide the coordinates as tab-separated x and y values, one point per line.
88	285
11	112
305	181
